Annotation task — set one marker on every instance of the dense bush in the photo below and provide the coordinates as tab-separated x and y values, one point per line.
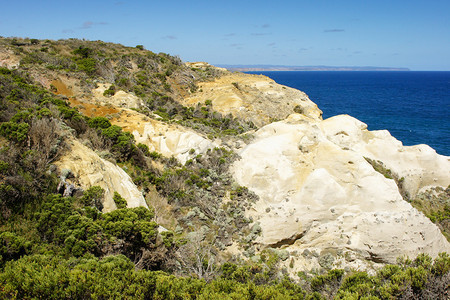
86	230
435	205
12	246
54	277
99	122
94	197
110	91
119	142
17	132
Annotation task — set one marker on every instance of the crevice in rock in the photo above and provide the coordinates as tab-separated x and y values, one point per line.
376	258
288	241
382	169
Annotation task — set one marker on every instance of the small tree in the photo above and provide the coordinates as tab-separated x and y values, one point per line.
197	258
84	52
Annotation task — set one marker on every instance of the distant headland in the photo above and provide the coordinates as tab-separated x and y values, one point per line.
248	68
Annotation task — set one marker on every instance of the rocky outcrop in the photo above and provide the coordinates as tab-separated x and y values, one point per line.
119	99
419	166
8	59
167	139
318	192
89	170
176	141
254	98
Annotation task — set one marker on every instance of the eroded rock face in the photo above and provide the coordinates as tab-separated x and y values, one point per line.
89	170
8	59
419	165
167	139
119	99
177	143
317	191
254	98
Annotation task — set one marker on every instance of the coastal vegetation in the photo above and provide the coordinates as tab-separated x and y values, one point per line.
60	246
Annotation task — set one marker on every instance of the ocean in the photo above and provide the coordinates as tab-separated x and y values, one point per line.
413	106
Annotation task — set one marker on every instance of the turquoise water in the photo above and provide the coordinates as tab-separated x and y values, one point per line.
413	106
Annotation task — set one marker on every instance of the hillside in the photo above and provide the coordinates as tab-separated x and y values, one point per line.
117	157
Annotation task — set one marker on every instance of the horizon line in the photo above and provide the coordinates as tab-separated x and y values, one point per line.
268	67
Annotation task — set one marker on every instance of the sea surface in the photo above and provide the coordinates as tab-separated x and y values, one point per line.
413	106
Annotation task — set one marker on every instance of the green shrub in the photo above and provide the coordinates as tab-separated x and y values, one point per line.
328	282
94	197
55	209
133	225
52	277
17	132
84	52
84	230
122	82
441	265
4	166
119	200
99	122
112	132
144	148
67	112
418	277
155	155
87	65
360	283
110	91
12	246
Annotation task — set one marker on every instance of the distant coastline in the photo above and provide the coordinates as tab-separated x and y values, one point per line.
249	68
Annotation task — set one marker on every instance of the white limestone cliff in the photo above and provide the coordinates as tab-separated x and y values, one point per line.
318	192
419	165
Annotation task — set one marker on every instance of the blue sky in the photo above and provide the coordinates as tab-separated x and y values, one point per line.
395	33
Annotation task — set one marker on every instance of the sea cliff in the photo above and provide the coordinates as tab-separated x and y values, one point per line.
231	161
